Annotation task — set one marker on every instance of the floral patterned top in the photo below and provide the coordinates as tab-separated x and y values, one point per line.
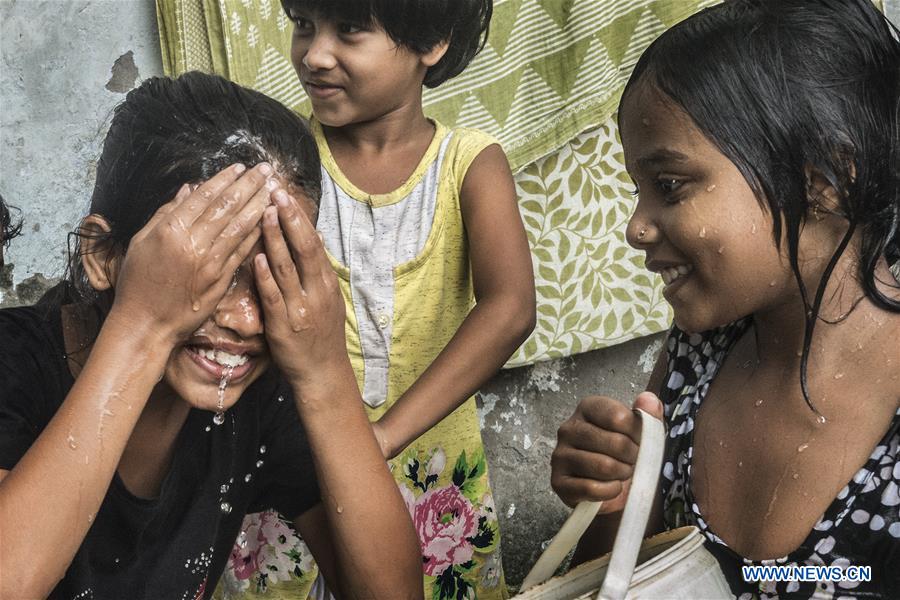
860	527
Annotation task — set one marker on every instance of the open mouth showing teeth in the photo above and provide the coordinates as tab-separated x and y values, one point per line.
671	274
226	359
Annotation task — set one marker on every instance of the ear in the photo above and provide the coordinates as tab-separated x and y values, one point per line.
823	198
100	259
433	56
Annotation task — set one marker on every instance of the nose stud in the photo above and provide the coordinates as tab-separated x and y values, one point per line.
642	233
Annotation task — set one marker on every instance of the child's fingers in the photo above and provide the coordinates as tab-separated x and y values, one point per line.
269	295
183	192
219	213
281	264
240	224
241	253
206	192
573	490
650	404
309	254
611	415
591	465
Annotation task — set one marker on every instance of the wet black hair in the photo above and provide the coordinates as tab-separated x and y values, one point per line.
9	227
418	25
168	132
782	86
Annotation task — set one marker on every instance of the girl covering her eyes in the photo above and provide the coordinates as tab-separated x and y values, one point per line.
763	139
192	367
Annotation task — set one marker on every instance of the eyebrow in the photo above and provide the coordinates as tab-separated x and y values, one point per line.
659	156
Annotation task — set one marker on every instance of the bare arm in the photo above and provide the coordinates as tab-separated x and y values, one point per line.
65	474
362	518
501	320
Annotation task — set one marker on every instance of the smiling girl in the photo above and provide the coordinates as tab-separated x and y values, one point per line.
763	139
141	413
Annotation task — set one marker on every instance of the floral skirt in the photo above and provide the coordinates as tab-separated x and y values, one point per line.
446	489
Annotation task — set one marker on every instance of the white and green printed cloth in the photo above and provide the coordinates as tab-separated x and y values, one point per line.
546	85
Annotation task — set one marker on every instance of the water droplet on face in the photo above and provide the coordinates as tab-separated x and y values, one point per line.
645	121
821	420
703	232
710	188
225	508
758	402
71	441
339	509
753	229
247	477
90	518
838	375
795	476
740	463
195	306
721	249
802	447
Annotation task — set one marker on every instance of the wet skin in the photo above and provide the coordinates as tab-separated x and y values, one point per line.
237	327
700	217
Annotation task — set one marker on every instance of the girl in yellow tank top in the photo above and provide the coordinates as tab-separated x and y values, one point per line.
422	227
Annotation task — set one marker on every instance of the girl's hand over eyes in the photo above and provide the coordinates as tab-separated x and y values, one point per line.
303	309
179	266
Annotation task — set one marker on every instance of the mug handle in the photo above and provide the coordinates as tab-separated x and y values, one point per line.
631	528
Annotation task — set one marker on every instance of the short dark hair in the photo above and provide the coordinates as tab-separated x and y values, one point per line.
9	228
168	132
780	86
418	25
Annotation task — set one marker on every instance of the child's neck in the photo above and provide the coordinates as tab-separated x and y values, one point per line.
849	328
379	155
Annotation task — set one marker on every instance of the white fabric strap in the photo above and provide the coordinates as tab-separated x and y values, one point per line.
631	528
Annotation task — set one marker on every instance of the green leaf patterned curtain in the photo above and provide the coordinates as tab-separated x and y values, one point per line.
546	85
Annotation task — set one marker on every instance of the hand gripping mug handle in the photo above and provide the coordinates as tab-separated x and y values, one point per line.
631	528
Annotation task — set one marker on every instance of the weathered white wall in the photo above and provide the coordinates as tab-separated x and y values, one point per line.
58	85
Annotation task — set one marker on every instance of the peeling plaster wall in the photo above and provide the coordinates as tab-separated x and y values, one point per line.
520	411
66	64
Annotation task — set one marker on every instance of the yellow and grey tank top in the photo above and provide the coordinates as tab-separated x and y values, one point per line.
402	261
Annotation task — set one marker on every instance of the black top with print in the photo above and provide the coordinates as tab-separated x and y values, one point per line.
861	527
174	546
